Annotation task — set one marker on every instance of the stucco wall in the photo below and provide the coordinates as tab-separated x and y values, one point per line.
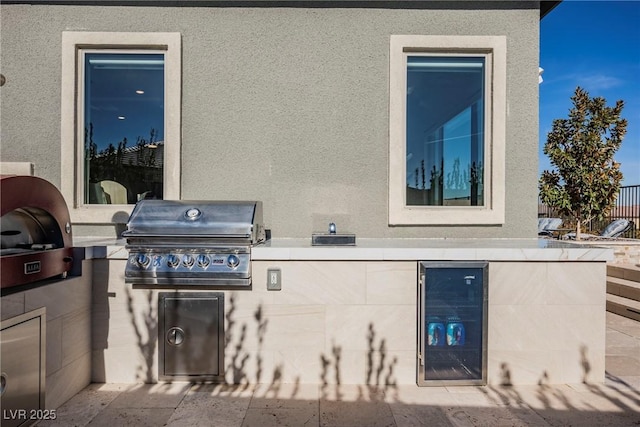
284	105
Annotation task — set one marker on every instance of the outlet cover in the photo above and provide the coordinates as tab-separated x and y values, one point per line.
274	279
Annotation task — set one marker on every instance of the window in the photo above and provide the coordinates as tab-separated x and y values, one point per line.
120	121
447	125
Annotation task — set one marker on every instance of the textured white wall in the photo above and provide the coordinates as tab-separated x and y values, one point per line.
285	105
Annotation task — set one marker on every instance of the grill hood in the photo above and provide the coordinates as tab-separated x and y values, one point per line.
228	220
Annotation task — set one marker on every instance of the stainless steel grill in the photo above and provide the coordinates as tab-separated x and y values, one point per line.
192	244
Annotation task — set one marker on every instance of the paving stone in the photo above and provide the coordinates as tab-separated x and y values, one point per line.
625	383
458	417
420	415
622	365
504	416
589	418
355	414
285	396
86	405
132	417
622	324
224	390
163	395
282	417
618	342
208	409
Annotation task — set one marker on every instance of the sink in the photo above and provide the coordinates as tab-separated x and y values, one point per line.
333	239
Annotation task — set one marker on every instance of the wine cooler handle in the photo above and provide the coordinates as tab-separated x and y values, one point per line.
421	327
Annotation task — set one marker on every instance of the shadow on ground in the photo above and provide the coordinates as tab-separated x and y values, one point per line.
181	404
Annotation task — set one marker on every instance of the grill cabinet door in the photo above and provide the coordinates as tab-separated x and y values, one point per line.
191	336
22	363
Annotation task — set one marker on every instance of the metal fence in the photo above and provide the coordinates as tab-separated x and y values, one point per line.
627	207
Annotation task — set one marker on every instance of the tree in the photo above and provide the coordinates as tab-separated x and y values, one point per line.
586	181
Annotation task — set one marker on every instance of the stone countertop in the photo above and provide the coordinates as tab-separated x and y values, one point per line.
101	247
432	249
369	249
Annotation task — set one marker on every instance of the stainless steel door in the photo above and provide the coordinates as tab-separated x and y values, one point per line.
22	364
191	336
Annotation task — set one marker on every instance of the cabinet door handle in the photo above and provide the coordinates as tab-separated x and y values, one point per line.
175	336
3	383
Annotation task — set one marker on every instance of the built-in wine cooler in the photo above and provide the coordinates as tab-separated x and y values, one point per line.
452	323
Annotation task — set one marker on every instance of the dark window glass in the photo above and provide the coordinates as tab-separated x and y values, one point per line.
123	127
445	131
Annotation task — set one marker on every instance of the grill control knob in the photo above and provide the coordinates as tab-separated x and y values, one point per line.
173	261
143	261
203	261
188	260
233	261
193	214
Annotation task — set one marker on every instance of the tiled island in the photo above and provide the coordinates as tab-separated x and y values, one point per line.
348	315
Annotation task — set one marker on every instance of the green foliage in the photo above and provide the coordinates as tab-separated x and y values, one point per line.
585	182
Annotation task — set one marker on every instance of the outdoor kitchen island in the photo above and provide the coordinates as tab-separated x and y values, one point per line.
348	315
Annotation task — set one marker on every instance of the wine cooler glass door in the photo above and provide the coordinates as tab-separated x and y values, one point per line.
452	323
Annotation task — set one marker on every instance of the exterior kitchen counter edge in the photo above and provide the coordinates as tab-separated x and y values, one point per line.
370	249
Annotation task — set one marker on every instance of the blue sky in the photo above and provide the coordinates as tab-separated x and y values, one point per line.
594	45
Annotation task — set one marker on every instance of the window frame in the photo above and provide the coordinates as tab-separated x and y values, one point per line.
72	123
492	212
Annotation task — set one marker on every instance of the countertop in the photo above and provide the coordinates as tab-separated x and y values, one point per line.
370	249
